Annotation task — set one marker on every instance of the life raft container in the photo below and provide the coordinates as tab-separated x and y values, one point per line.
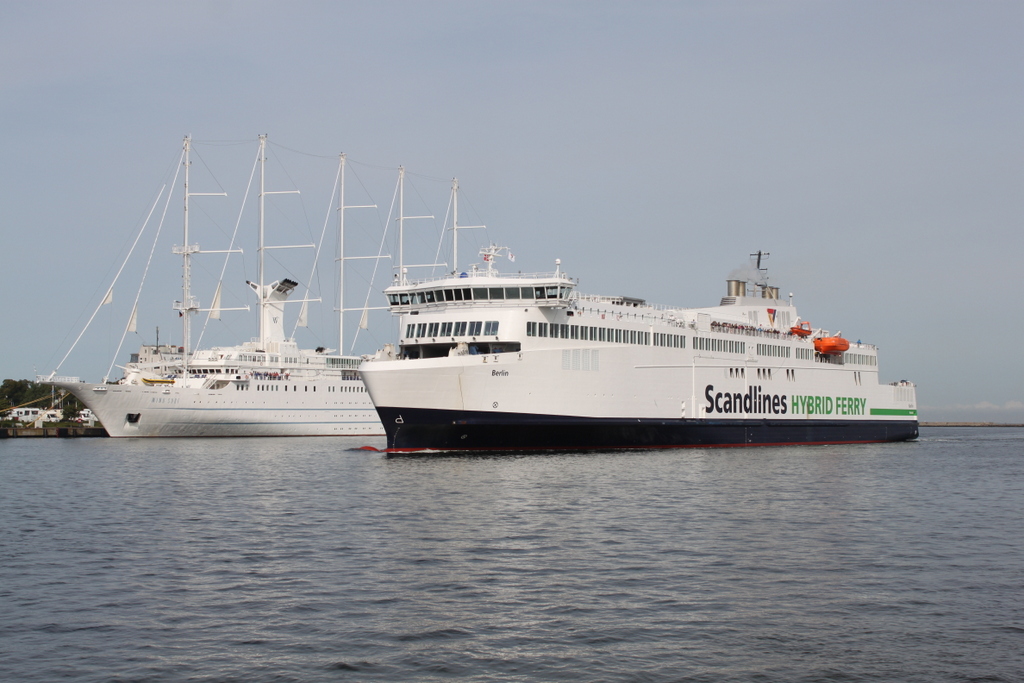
801	330
831	346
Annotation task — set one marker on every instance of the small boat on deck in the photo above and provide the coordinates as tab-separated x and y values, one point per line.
803	329
831	346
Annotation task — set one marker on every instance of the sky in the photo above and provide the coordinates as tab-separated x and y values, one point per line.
873	148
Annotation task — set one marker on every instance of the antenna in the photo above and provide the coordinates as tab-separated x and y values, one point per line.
761	271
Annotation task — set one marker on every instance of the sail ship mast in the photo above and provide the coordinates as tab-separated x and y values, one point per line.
264	292
188	305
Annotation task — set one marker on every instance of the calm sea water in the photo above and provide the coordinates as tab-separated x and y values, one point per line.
302	560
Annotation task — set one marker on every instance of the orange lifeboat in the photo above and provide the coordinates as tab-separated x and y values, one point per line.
831	346
801	330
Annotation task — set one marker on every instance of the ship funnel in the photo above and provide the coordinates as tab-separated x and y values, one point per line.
770	292
737	287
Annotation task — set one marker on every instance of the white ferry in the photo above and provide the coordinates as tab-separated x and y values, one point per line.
264	387
489	361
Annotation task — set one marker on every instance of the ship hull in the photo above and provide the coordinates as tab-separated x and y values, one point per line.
419	429
140	411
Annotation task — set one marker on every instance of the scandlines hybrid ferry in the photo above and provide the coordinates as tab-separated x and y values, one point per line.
490	361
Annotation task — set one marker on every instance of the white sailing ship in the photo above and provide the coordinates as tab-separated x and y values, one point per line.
268	386
491	361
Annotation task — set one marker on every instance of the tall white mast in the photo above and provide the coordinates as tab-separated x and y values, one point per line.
186	265
264	295
259	248
401	223
401	228
341	256
456	227
341	251
188	304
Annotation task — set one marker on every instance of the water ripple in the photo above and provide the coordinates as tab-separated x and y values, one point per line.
308	560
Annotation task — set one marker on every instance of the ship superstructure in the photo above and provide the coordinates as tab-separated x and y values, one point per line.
492	361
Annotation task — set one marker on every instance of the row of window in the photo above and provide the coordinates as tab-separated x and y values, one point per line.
472	328
773	350
476	328
720	345
433	296
586	333
264	358
355	388
261	358
762	373
333	362
275	387
675	341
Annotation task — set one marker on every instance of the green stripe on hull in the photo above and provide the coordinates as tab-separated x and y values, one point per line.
893	411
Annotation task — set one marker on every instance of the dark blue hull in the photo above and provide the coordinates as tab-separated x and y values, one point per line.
443	430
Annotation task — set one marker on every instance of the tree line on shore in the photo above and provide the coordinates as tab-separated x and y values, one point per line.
15	393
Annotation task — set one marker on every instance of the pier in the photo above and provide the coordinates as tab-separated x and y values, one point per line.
59	432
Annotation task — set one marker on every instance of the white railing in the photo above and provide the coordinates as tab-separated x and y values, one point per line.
561	277
58	378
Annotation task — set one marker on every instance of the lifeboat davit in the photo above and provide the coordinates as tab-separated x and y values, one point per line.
801	330
831	346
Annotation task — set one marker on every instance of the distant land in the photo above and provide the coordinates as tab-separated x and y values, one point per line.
970	424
